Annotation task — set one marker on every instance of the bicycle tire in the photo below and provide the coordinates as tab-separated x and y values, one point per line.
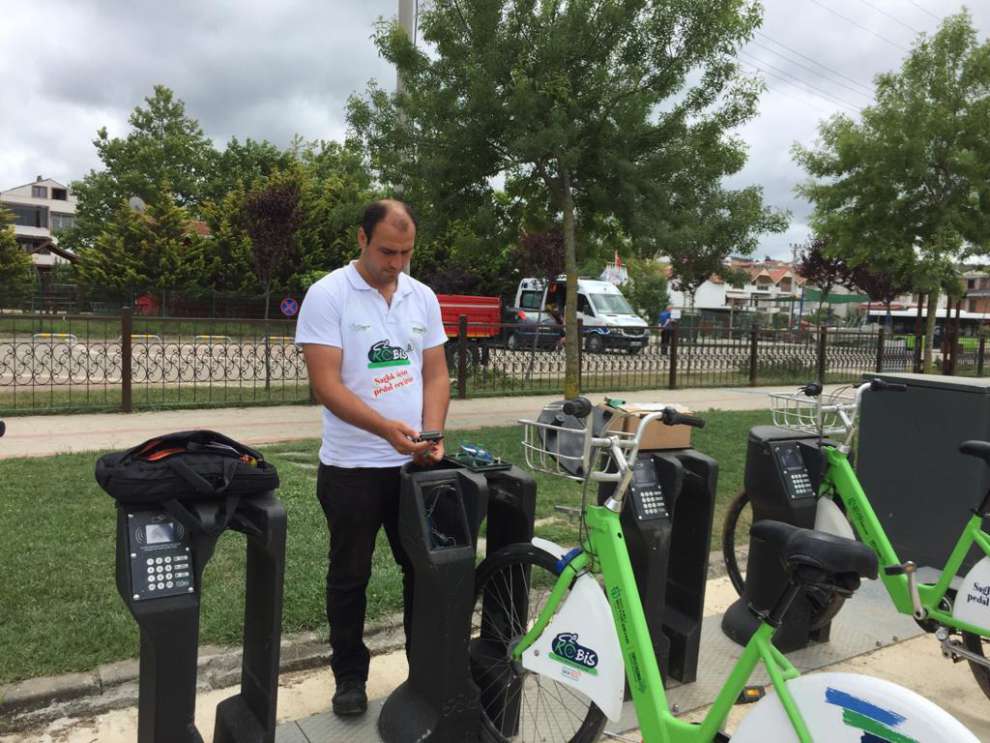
825	604
500	579
974	644
729	527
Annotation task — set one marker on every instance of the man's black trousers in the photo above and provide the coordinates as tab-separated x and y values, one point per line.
357	503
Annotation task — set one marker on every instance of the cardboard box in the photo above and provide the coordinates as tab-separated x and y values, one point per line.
658	435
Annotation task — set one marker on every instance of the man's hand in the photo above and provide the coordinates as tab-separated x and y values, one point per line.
431	456
401	436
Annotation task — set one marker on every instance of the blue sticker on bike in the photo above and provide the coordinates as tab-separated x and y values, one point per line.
566	649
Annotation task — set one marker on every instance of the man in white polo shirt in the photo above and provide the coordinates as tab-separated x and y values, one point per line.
373	342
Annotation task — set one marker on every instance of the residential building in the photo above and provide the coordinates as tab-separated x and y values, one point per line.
977	286
41	210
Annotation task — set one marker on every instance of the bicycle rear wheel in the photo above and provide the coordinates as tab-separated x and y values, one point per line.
512	587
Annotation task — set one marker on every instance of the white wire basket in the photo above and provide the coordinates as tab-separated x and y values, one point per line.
799	412
555	449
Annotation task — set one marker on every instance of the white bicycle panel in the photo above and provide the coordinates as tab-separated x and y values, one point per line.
829	519
580	648
972	604
846	708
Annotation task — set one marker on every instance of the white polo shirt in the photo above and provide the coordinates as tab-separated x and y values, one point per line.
382	356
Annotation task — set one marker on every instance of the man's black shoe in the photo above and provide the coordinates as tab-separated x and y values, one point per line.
350	698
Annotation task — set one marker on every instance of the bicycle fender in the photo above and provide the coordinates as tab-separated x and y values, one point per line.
829	519
547	546
972	604
580	648
850	708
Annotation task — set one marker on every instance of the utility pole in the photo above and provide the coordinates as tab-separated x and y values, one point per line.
407	19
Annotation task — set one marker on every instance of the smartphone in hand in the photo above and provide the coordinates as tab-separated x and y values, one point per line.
429	436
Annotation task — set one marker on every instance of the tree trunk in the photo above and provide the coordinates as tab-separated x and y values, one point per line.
930	331
572	341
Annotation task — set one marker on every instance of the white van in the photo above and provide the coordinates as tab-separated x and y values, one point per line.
609	321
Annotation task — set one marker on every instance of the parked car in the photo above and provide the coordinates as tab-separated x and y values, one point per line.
528	329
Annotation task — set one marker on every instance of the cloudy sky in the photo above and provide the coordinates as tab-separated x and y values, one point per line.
268	70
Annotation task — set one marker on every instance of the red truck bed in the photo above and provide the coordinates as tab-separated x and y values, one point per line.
484	314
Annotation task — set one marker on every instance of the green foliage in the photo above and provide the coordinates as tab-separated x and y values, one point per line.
712	224
227	253
335	188
240	165
585	105
647	287
164	146
912	178
16	269
156	249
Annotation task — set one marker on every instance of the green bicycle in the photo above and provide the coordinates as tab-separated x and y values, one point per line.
551	649
957	613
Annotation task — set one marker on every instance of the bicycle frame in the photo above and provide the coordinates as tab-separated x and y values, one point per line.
845	484
657	724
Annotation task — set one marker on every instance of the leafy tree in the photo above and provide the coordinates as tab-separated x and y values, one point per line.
16	268
823	269
587	102
647	287
711	226
271	216
335	189
913	176
241	165
137	251
884	284
164	146
228	262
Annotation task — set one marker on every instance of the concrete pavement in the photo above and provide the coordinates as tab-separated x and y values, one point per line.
916	664
44	435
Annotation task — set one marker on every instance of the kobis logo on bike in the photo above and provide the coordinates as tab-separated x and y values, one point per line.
567	650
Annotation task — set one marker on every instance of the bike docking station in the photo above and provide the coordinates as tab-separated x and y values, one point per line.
783	471
667	524
175	496
441	510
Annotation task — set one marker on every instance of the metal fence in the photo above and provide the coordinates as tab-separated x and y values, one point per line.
78	362
127	362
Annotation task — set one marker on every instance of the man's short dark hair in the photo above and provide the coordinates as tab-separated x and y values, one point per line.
377	211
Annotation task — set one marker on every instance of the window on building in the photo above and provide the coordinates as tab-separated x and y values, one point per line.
970	283
63	221
39	192
60	194
972	304
30	216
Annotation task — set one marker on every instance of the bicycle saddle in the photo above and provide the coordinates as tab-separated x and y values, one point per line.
980	449
814	557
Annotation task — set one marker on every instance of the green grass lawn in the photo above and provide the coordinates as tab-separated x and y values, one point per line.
60	608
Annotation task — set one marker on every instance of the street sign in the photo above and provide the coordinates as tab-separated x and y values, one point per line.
289	307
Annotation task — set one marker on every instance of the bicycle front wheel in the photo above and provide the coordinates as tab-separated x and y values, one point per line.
512	586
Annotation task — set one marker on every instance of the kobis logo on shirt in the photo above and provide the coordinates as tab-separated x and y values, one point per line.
382	354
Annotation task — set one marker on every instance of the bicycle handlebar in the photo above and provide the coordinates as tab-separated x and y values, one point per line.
673	418
579	407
